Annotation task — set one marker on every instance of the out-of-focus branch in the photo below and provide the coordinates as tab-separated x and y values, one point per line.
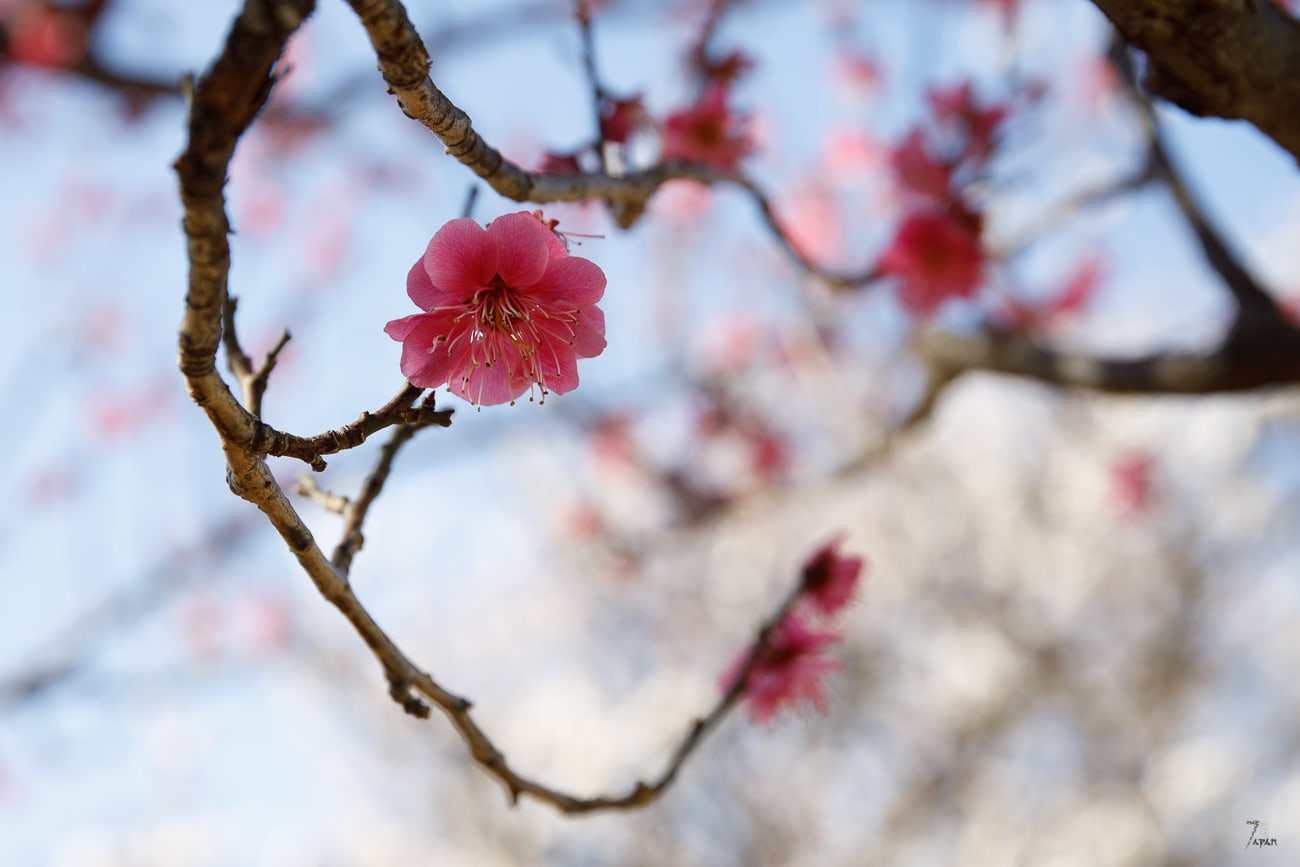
404	63
134	86
1233	366
76	646
1260	348
1258	315
1235	59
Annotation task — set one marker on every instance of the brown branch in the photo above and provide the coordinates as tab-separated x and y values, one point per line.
1235	59
355	511
1261	347
224	103
252	382
404	63
266	440
1236	365
1257	312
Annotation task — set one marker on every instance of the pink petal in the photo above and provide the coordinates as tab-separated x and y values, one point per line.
589	336
560	368
461	258
487	386
420	288
521	246
585	338
573	279
399	328
554	245
425	359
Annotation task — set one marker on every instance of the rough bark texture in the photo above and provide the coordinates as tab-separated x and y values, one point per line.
1234	59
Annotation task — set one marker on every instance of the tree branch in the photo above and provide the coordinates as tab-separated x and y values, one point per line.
1234	366
404	63
225	101
1234	59
1260	348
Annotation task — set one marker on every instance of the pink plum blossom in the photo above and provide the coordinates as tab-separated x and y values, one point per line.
829	579
935	258
789	669
554	163
506	308
1069	300
708	132
917	171
1133	483
957	106
620	118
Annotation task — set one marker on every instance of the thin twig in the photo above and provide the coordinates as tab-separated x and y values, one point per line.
252	383
327	500
582	12
355	511
266	440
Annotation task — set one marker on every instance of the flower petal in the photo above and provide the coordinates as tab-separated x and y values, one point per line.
461	259
589	336
521	248
487	386
426	361
399	328
420	288
559	367
573	279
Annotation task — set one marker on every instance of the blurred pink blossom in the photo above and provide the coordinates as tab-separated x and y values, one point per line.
620	118
789	669
708	132
830	579
1132	483
917	171
935	258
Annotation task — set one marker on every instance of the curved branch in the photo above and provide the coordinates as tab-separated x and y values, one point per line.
1235	59
1260	348
1239	364
1257	311
225	101
404	63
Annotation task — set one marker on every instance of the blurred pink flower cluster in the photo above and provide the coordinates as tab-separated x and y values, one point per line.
793	662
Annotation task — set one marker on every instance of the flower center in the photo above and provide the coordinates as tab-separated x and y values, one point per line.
497	309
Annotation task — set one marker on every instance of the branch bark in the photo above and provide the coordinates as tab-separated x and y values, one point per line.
1234	59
